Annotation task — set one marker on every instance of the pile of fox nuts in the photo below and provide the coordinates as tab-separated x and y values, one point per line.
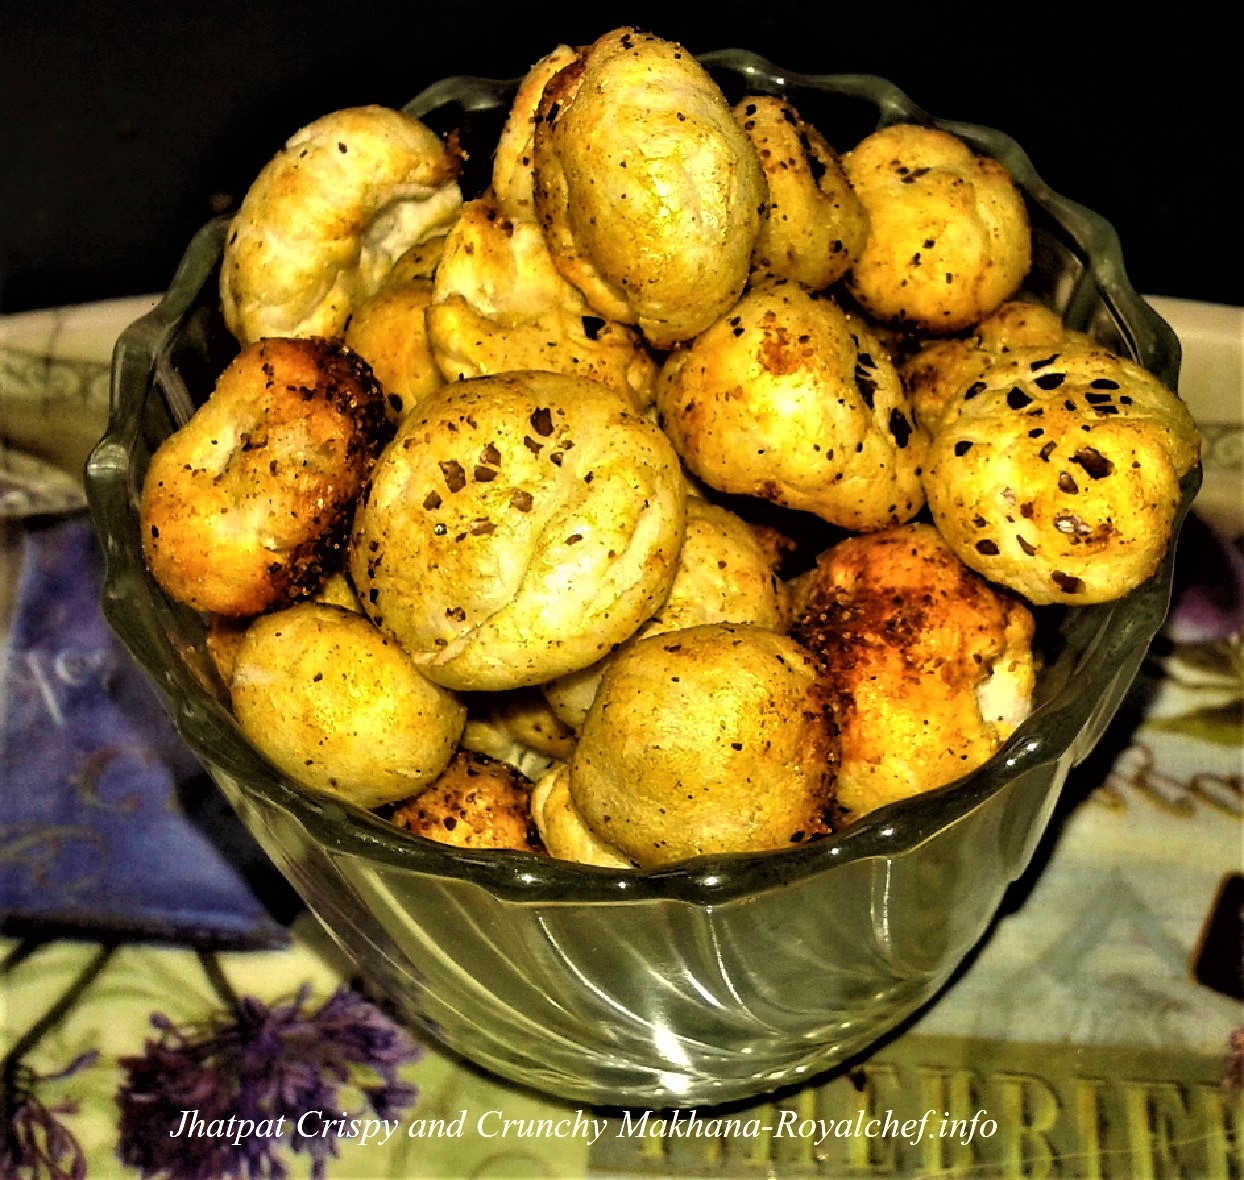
499	516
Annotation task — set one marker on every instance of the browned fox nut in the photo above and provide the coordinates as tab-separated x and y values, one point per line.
1057	473
928	668
648	190
948	232
248	504
814	226
477	802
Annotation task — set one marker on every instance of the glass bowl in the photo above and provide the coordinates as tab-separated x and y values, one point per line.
719	978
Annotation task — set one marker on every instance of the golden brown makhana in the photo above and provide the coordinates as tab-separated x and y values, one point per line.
1057	473
476	802
339	707
927	667
323	223
248	504
711	739
814	226
948	232
500	305
648	190
389	331
517	528
790	399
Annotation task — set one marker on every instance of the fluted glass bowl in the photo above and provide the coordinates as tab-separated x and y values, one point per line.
718	978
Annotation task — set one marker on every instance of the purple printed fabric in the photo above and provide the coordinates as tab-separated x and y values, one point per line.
107	822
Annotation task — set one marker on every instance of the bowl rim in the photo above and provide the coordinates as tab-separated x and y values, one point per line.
212	734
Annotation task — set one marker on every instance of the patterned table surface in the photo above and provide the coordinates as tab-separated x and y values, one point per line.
1097	1031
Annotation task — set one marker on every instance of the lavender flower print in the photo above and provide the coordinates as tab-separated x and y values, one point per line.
252	1077
36	1145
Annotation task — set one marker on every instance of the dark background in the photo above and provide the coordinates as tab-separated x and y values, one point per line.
124	127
